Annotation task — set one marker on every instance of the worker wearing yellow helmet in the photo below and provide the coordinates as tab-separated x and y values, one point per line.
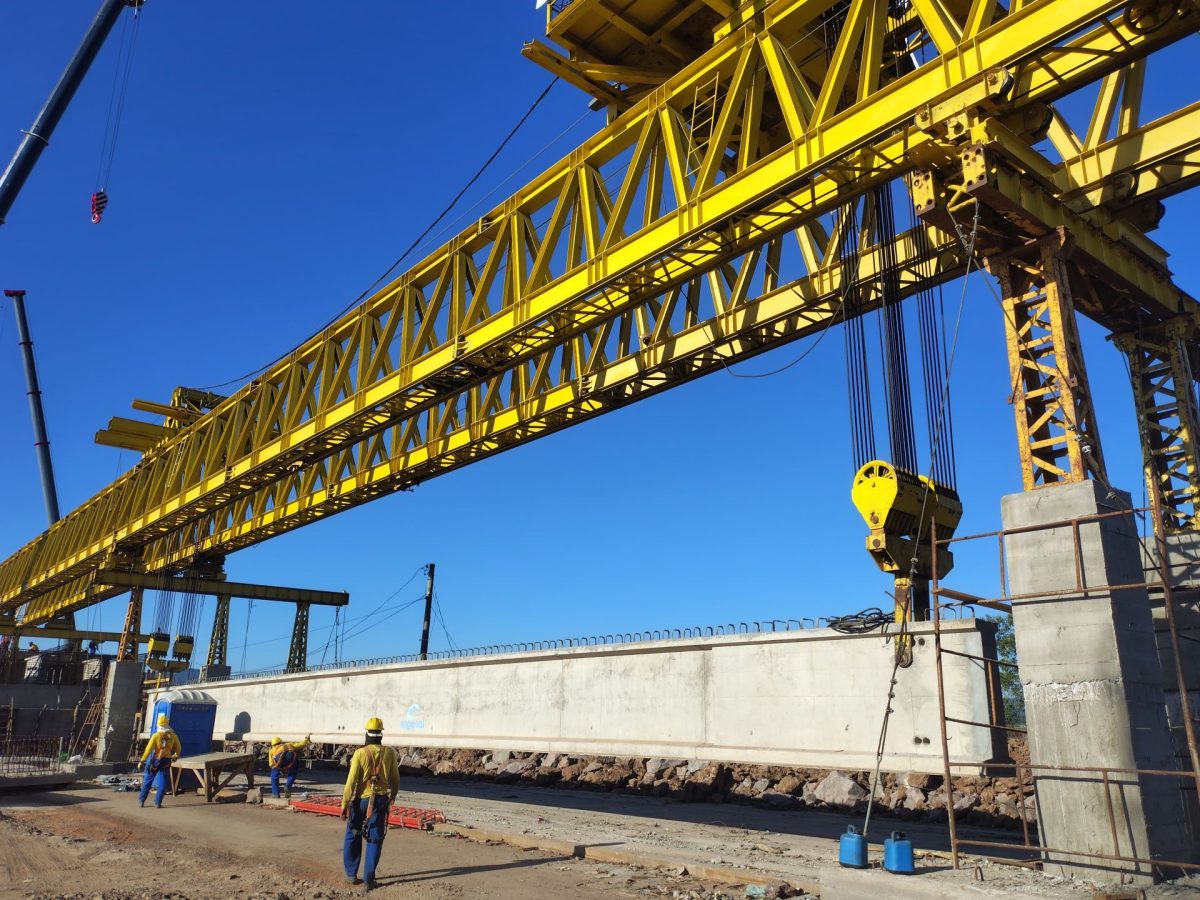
370	791
162	749
284	760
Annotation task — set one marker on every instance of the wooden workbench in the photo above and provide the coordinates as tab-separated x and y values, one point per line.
209	767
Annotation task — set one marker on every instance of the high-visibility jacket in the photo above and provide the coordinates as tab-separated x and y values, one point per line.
163	743
373	769
275	755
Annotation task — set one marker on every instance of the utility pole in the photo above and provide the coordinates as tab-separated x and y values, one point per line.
41	441
37	138
428	611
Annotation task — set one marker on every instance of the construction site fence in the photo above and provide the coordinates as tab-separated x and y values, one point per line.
1161	579
30	756
765	626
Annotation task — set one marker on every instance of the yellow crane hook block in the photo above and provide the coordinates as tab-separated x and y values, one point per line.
899	507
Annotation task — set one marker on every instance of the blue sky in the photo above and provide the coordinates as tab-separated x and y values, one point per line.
273	159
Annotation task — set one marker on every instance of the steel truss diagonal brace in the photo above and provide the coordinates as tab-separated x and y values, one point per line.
1058	440
1164	396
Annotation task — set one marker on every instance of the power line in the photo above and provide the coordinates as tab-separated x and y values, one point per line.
334	626
403	256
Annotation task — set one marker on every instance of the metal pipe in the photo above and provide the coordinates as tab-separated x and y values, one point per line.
37	138
41	442
1163	551
947	783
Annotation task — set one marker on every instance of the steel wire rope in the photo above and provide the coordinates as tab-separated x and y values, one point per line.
337	614
246	634
969	246
437	606
458	224
116	100
403	256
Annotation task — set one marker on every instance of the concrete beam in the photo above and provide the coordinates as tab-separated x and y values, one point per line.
811	698
56	633
216	587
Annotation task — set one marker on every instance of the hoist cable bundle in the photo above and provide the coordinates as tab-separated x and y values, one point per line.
164	607
901	435
932	317
858	386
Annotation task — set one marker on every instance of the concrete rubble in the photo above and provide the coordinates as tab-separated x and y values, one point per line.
978	800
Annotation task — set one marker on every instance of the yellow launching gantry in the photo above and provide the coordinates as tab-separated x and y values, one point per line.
654	254
900	508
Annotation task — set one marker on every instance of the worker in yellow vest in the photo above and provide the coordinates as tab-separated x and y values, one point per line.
162	749
370	790
284	761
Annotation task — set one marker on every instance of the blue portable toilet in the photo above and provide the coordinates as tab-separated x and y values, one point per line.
193	715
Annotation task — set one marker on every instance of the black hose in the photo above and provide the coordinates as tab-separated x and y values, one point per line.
868	620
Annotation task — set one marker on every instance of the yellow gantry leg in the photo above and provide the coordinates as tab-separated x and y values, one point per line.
1160	367
1056	425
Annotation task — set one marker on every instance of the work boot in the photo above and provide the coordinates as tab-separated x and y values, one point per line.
353	879
369	884
142	803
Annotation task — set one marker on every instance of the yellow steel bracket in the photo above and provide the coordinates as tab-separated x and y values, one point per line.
951	119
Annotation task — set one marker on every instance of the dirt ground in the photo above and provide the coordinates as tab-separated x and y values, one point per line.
92	842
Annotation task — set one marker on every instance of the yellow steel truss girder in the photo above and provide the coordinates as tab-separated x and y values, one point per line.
669	348
1156	160
309	405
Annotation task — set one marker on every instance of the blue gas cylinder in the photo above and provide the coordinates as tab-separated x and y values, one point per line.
852	849
898	854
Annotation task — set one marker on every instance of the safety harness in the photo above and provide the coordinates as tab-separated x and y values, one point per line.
373	782
161	758
286	760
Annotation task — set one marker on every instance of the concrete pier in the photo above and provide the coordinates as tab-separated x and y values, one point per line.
1093	684
122	692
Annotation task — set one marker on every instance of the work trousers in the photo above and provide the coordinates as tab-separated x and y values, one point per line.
157	770
289	774
358	828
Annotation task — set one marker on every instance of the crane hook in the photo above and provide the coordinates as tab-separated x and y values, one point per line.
99	202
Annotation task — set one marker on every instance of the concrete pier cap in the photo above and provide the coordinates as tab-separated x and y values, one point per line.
1093	686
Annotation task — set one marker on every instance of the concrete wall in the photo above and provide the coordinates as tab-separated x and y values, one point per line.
811	698
42	710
